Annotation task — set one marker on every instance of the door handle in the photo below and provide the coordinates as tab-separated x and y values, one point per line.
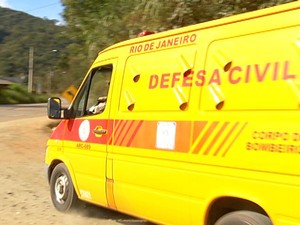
99	131
102	131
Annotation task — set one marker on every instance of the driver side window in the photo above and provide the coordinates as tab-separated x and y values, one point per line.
92	97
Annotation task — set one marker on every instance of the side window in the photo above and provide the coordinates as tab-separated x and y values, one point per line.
92	97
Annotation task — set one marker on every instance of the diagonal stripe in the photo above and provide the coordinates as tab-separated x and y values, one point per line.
110	140
198	128
134	133
213	142
205	137
127	132
110	132
116	125
119	132
238	134
226	138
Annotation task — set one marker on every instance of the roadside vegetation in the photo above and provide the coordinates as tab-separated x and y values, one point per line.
17	93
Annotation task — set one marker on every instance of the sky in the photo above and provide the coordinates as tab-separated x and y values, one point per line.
50	9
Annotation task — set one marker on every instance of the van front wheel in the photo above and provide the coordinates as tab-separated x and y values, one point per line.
62	190
244	218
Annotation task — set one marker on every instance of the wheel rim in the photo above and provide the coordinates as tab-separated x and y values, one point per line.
61	188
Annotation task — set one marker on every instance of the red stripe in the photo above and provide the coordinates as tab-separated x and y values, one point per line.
142	134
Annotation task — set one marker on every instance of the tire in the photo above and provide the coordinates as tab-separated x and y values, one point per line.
244	218
63	195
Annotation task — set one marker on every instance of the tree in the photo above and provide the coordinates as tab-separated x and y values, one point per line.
96	24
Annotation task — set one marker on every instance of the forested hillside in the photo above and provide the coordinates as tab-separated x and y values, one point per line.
18	33
92	25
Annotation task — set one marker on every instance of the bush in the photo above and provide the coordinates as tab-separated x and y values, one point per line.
16	94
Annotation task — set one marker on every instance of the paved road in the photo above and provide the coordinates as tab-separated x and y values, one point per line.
22	111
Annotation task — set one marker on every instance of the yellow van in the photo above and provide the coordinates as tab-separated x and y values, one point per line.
198	125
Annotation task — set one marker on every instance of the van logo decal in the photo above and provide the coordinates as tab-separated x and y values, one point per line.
271	71
166	135
84	130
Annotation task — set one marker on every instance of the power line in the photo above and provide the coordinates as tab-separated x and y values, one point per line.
42	7
15	11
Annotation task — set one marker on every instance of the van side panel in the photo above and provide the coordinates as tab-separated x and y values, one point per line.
250	99
236	136
152	100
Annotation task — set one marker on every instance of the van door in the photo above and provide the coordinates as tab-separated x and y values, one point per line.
86	135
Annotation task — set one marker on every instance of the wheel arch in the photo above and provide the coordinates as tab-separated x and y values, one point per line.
54	163
51	167
227	204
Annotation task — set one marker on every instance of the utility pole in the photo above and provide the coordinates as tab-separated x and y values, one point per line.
30	70
51	74
49	81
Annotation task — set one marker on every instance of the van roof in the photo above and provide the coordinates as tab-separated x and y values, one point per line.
209	24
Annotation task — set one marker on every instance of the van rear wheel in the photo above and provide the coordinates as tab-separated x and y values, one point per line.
62	191
244	218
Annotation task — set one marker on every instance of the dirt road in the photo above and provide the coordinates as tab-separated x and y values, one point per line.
24	191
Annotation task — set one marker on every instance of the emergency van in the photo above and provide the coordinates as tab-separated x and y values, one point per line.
197	125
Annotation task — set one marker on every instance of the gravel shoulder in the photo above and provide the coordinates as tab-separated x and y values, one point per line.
24	190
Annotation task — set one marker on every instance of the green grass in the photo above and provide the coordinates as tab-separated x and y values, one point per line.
17	94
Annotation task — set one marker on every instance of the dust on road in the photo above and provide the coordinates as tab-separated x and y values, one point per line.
24	191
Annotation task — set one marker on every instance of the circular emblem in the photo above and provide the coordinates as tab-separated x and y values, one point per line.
84	130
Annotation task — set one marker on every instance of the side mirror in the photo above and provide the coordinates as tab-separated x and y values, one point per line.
54	108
